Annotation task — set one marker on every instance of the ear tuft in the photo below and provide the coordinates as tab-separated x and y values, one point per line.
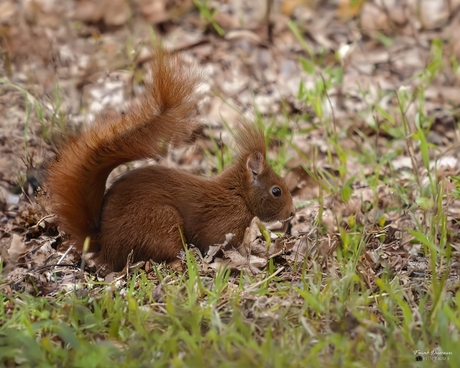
249	138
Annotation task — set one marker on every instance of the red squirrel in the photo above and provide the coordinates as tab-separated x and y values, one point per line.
152	210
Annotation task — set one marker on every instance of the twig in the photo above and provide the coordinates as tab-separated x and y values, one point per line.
41	220
63	256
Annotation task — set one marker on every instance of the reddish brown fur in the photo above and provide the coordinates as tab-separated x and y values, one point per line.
147	209
76	178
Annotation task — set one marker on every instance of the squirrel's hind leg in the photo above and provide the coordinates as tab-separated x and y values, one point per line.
165	239
157	236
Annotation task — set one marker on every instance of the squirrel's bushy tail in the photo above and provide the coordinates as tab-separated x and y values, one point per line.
163	115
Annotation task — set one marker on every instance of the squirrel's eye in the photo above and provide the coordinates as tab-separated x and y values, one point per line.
276	191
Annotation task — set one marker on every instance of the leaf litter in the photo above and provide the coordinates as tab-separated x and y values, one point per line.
386	49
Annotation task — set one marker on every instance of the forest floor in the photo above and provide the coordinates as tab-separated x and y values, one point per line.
359	101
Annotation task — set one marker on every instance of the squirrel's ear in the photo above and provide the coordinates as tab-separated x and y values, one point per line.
255	164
